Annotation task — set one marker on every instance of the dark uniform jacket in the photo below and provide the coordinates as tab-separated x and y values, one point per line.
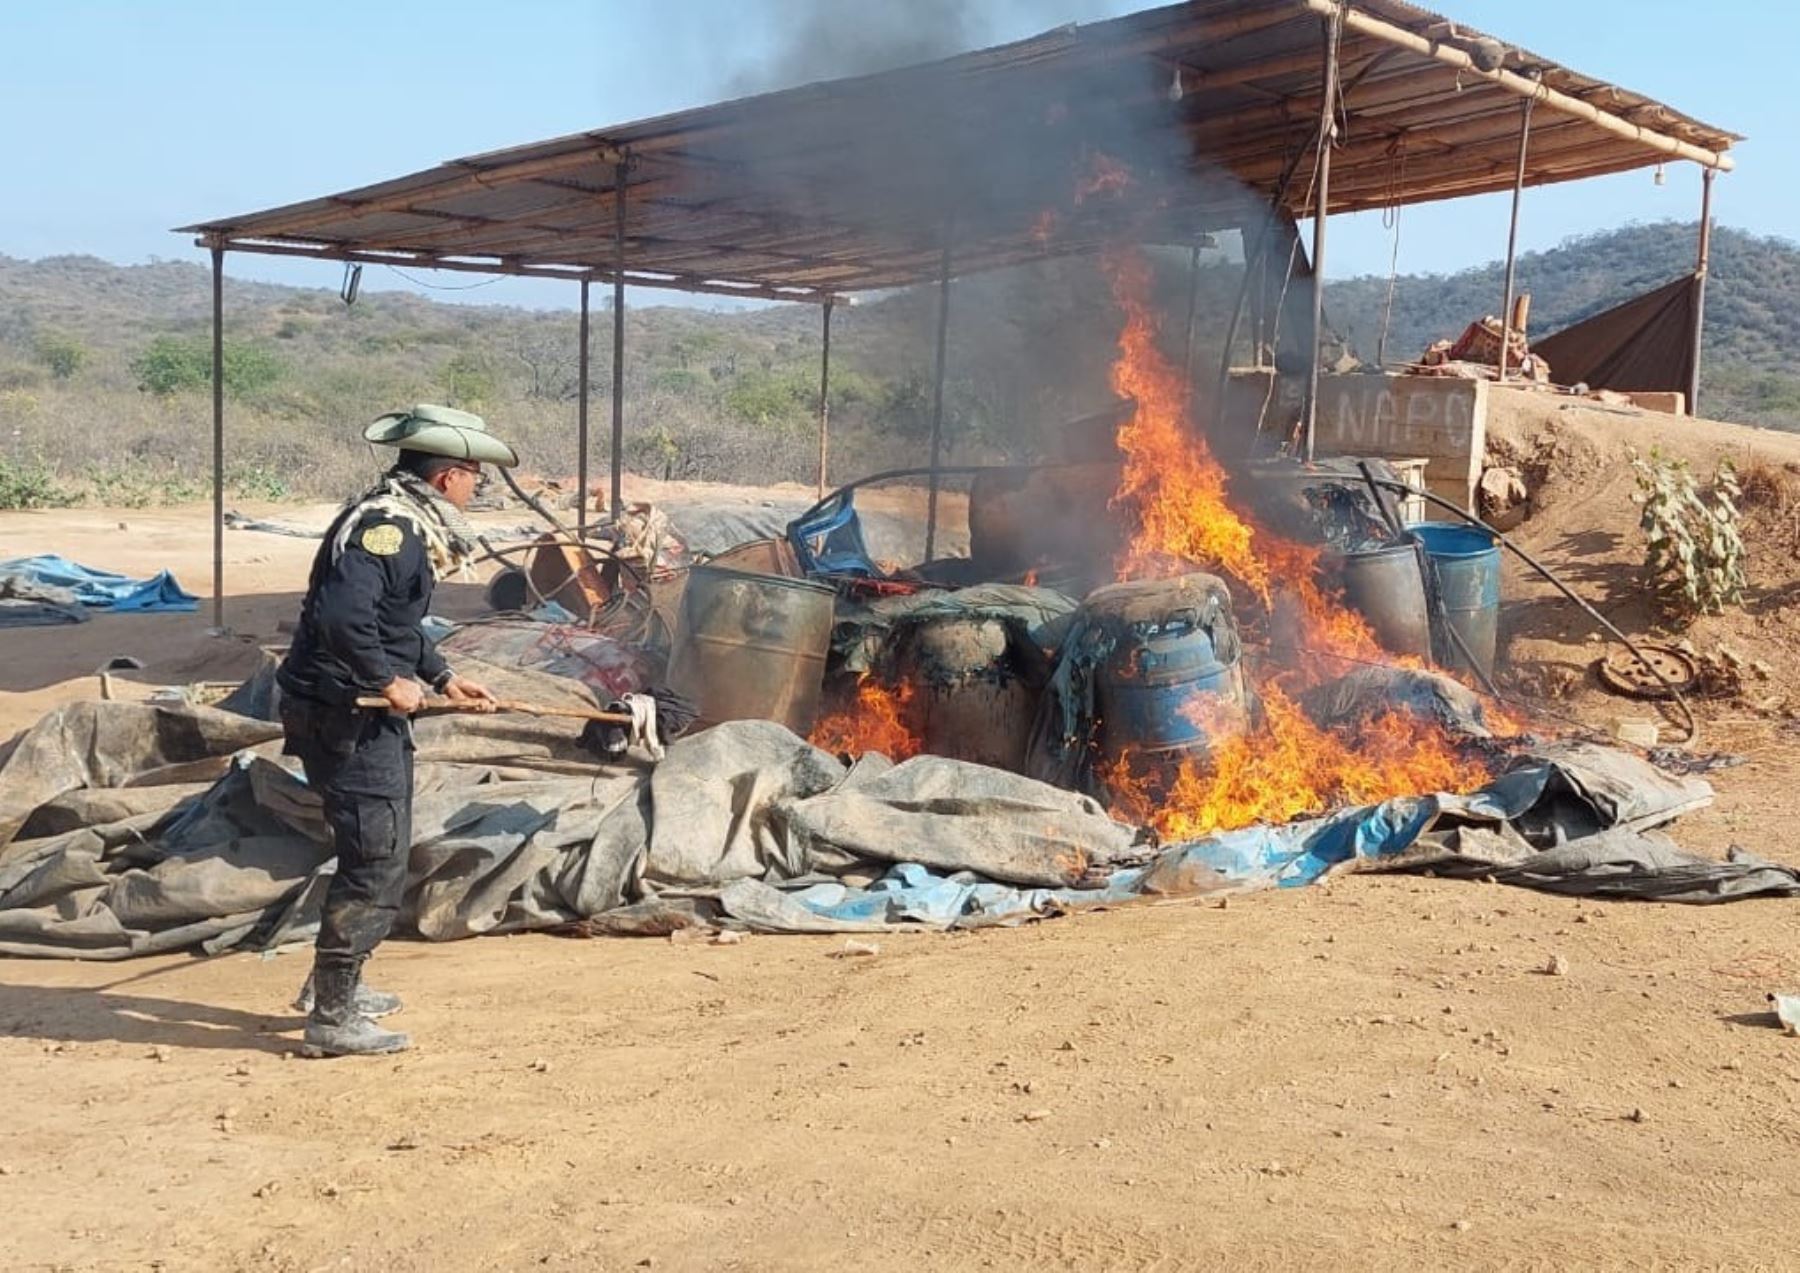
359	626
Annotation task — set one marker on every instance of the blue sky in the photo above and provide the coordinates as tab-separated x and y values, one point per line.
120	120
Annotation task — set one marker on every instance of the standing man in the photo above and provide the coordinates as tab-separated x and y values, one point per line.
359	634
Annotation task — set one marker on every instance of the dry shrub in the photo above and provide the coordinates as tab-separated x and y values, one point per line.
1771	487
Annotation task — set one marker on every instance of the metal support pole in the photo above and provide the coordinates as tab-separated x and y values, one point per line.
1334	29
1512	236
581	420
825	399
1700	271
618	357
218	436
1187	349
937	397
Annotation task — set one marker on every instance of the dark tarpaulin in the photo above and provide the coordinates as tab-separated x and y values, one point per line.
1646	344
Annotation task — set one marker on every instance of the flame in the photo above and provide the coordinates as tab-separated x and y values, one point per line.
1106	175
1179	495
1043	228
1286	770
879	720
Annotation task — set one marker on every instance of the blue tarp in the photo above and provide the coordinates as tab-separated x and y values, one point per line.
1566	821
101	589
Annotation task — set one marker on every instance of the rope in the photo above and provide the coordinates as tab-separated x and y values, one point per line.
1390	220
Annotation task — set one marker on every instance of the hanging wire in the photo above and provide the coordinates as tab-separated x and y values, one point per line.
444	287
1390	220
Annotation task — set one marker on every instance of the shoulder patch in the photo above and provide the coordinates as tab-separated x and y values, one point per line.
383	539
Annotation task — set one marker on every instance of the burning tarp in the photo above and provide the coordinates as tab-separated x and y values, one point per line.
175	827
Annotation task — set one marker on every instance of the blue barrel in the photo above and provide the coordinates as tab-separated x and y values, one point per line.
1465	564
1174	644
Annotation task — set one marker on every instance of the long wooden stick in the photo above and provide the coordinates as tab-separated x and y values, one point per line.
506	705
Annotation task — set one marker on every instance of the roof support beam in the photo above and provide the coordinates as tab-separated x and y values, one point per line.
1524	86
574	270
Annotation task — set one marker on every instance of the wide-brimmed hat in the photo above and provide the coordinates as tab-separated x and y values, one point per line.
461	435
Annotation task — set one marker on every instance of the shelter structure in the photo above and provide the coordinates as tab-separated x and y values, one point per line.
1196	117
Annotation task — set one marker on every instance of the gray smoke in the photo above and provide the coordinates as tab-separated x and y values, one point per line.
830	39
925	157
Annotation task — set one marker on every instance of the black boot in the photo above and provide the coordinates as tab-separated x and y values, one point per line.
335	1027
370	1002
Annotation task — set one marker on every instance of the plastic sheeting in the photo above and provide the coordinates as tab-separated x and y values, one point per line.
128	829
1647	343
101	589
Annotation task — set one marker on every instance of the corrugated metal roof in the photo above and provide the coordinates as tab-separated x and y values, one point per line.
854	184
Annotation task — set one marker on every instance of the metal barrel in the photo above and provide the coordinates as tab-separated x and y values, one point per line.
1386	586
1465	567
1172	682
976	694
752	647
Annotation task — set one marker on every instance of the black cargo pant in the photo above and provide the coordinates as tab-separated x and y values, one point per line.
361	764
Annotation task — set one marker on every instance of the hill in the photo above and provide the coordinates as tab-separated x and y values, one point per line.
104	370
1748	372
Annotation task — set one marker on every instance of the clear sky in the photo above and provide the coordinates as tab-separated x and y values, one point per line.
120	120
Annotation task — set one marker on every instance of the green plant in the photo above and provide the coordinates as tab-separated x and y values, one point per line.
1694	554
255	481
63	355
468	380
29	484
172	364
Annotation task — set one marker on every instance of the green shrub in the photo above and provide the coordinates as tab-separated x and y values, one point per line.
1694	554
63	355
174	364
468	381
29	484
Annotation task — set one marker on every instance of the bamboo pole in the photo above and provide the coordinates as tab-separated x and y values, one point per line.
1701	267
1367	24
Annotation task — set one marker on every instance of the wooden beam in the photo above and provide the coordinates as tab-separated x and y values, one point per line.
1523	86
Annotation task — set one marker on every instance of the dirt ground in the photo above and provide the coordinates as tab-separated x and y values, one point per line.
1379	1072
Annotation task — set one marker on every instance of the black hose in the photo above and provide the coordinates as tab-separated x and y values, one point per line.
1606	625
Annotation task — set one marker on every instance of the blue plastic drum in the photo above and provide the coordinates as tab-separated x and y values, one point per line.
1465	563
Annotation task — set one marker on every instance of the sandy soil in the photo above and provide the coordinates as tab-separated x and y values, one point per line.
1378	1073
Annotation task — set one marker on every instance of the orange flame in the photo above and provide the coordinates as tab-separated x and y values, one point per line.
1106	175
1289	769
1179	495
879	720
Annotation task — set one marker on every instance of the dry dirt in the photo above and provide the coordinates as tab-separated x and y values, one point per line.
1374	1073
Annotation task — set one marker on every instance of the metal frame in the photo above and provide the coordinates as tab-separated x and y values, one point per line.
1701	267
1512	237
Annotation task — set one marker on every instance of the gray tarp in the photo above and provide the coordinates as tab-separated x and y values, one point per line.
128	829
513	827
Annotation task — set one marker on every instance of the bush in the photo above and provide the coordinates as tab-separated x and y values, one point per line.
29	484
63	355
1694	554
174	364
468	381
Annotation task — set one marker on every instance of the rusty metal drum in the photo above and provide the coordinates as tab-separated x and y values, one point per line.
752	647
975	688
